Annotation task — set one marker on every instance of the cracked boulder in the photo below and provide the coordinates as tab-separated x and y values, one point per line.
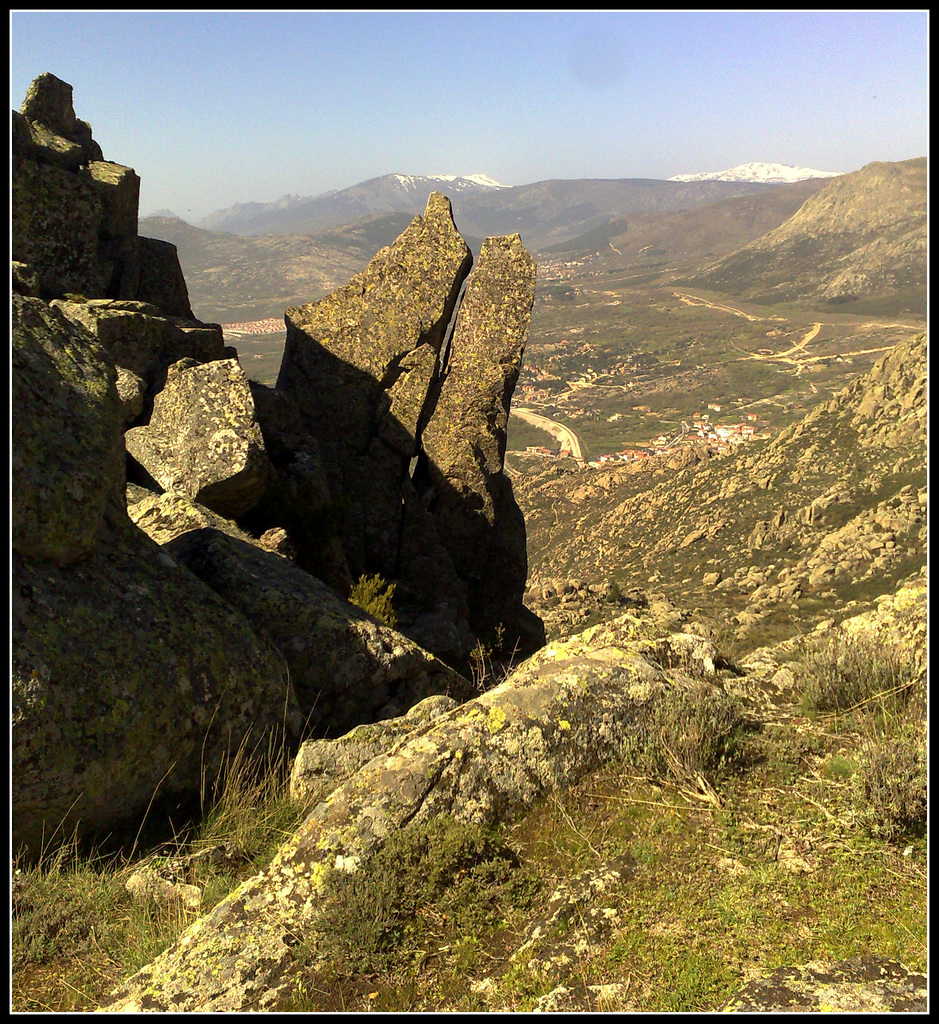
470	496
203	439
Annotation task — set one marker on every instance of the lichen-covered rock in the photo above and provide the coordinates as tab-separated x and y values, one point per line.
164	517
67	453
131	391
203	438
359	364
56	219
321	765
563	712
345	667
464	440
863	984
130	678
139	338
75	214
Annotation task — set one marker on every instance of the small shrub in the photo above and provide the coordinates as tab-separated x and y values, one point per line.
691	731
891	785
441	874
374	595
857	673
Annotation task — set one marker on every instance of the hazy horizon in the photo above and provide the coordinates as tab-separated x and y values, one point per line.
217	108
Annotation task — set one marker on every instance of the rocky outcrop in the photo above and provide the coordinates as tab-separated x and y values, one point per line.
410	427
68	458
469	493
566	710
75	214
863	984
203	438
130	678
141	339
345	667
227	630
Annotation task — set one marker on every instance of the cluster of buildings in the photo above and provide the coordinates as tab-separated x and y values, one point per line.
271	326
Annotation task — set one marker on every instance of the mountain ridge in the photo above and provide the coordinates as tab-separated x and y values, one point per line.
544	212
763	172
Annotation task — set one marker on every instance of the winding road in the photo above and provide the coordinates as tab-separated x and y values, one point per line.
565	437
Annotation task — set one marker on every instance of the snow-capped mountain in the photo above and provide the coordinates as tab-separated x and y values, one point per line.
769	174
457	182
391	193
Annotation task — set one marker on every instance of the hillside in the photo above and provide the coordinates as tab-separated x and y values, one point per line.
233	278
858	244
713	229
765	541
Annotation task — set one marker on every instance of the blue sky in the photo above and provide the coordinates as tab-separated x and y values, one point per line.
214	108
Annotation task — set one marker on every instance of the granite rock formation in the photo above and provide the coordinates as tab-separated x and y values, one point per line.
410	422
557	717
129	675
140	665
75	214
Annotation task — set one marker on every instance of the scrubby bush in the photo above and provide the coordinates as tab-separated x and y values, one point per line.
374	595
891	784
847	674
432	876
690	732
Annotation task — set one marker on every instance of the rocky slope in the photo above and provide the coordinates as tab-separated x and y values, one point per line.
771	538
861	237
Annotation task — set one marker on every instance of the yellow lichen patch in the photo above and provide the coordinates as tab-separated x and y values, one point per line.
563	725
496	719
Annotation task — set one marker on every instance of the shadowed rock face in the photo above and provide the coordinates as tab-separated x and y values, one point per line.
464	441
413	438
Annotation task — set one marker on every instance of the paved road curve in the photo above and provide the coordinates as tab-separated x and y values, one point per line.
565	437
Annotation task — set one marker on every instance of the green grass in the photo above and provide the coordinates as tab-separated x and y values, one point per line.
76	929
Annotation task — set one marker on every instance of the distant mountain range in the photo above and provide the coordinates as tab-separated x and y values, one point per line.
544	213
851	240
767	173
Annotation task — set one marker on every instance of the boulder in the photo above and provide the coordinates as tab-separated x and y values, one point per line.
130	678
345	667
203	439
67	456
569	708
321	765
359	364
138	337
862	984
470	496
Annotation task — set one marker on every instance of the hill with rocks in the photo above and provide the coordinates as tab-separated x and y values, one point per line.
859	239
767	540
448	801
